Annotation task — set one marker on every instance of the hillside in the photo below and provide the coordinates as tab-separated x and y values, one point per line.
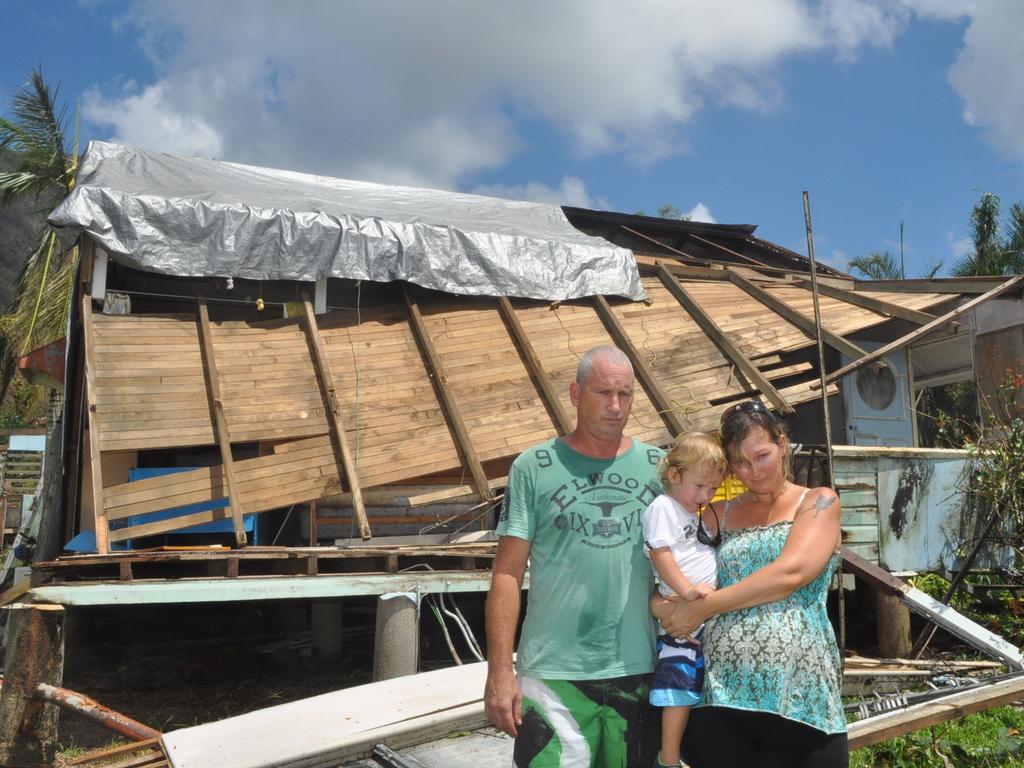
20	226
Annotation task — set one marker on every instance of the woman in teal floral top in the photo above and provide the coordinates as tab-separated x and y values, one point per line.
773	675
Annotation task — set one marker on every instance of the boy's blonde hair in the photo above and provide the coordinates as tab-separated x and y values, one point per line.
693	449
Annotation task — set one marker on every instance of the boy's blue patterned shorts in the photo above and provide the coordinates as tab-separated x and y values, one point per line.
679	675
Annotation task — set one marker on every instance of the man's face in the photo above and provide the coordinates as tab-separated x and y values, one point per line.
604	400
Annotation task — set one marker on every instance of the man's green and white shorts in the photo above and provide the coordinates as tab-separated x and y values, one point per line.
582	723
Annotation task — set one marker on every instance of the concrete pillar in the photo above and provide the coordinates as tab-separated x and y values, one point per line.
893	627
396	642
325	620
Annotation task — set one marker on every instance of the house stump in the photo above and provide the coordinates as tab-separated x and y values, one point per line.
34	654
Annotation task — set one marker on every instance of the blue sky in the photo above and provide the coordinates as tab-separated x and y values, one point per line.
885	110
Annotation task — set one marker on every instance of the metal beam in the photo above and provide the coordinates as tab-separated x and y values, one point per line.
643	371
261	588
869	302
790	315
723	341
547	390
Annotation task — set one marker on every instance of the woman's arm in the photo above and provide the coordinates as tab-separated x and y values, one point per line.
811	542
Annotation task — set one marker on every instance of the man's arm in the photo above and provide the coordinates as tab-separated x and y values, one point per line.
502	698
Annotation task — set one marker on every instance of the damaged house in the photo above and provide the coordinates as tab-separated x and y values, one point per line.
286	386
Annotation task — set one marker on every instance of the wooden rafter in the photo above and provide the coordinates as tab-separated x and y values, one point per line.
448	404
643	372
220	422
563	423
330	394
924	330
951	285
870	302
789	314
724	342
99	509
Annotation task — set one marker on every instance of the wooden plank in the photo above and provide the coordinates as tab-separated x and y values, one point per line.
323	372
433	362
869	302
924	330
658	397
99	510
325	729
789	314
220	423
722	340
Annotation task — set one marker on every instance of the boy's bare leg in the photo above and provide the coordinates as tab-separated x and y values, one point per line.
673	723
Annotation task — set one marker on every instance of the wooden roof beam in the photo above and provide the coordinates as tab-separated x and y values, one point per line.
548	393
330	395
971	285
643	371
789	314
220	422
869	302
923	331
436	371
724	342
102	525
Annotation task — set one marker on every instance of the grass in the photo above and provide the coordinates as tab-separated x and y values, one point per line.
992	739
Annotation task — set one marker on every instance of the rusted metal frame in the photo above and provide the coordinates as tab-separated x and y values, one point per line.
102	527
563	423
870	302
953	706
643	371
220	423
92	709
722	340
924	330
330	393
448	404
790	315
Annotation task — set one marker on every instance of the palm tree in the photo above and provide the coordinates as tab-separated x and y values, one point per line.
44	170
995	253
877	265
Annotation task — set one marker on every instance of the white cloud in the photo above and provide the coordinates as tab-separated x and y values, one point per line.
571	191
983	73
701	212
431	93
148	119
959	247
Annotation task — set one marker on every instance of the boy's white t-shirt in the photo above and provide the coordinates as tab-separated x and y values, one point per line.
668	524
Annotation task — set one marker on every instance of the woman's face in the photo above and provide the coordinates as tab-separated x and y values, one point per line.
758	461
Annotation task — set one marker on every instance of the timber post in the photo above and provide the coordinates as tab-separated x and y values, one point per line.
35	654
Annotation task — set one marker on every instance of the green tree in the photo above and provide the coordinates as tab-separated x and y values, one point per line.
877	265
995	251
36	135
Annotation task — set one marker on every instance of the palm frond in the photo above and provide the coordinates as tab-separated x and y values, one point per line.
932	269
36	137
877	265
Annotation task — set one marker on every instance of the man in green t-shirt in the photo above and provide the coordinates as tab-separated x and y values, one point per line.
574	508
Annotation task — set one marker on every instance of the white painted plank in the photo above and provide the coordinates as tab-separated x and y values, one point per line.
315	731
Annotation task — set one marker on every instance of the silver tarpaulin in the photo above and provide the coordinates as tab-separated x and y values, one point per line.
191	217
